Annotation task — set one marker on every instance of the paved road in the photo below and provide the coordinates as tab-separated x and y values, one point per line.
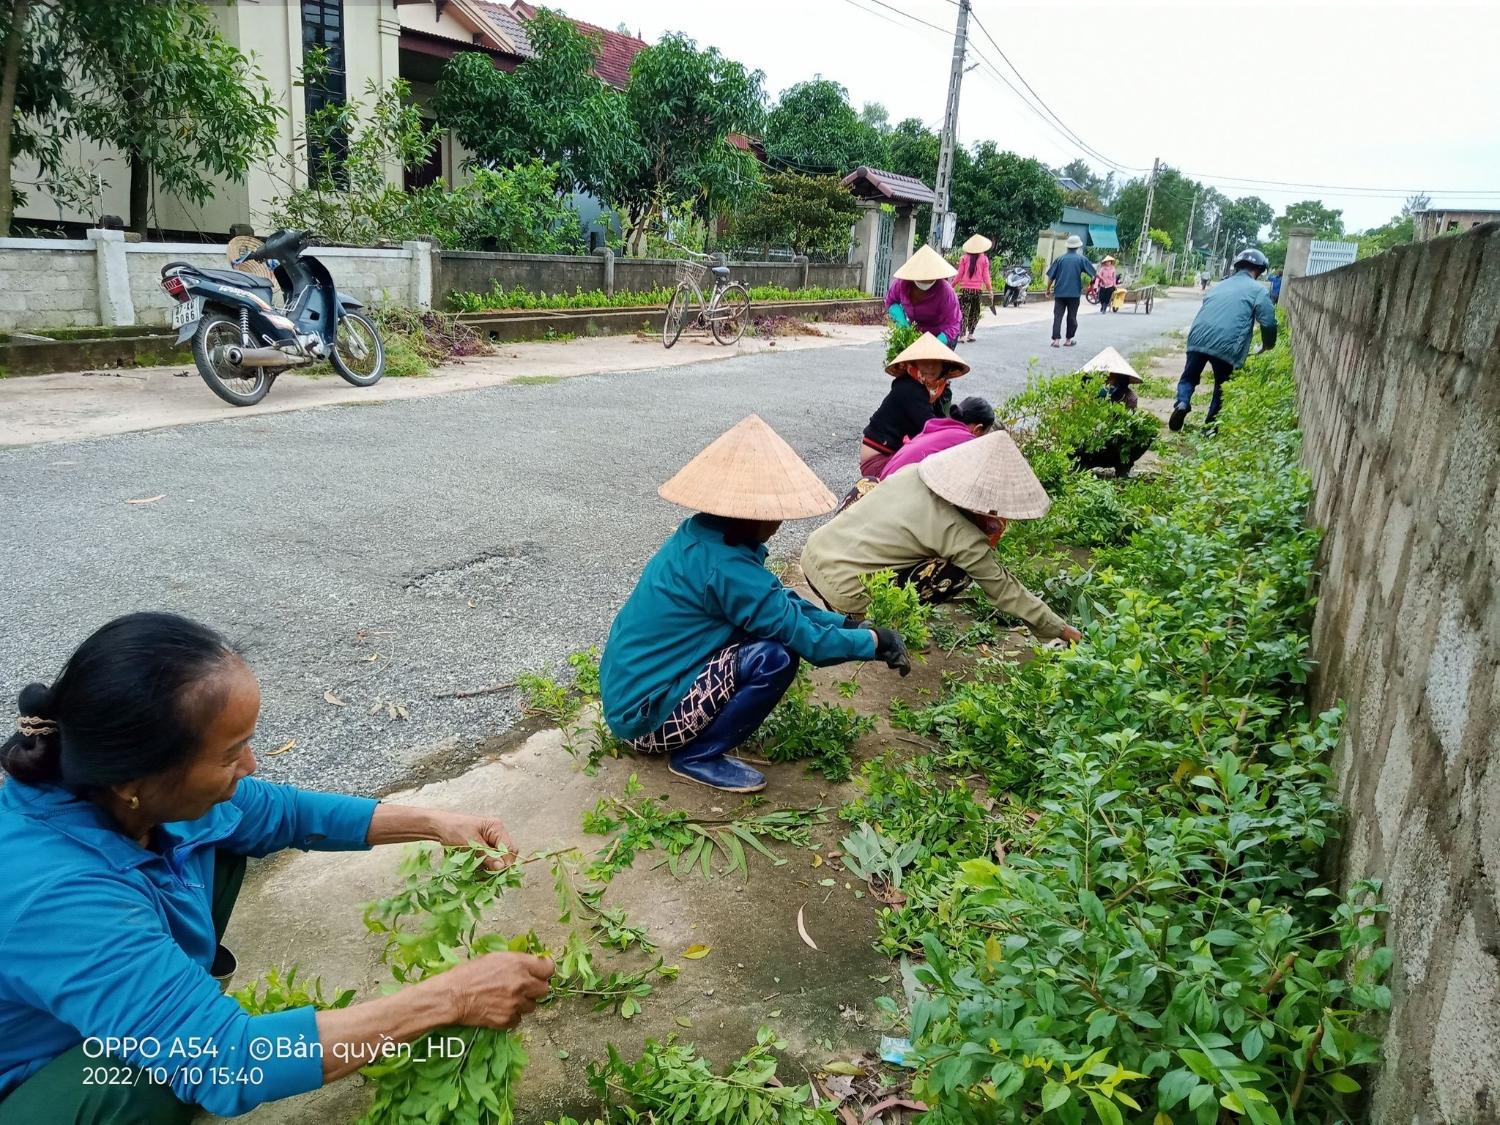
458	540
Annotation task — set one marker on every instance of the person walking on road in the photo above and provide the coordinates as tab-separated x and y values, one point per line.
710	640
1065	287
973	283
1107	279
1220	335
921	296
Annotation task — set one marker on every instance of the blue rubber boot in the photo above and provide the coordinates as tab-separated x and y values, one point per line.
763	672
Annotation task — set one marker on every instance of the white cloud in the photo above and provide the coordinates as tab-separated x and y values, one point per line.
1344	92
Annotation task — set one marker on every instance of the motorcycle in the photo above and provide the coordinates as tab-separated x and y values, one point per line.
1017	281
241	341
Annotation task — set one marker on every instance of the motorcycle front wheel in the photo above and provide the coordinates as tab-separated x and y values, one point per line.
358	352
237	386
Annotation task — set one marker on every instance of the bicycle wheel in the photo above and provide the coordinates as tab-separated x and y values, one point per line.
730	314
671	327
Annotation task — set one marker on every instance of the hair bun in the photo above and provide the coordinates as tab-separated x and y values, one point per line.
36	699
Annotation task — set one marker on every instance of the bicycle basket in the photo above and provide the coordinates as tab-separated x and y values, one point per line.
690	272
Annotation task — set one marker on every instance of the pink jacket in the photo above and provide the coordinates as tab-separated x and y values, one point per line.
938	435
976	278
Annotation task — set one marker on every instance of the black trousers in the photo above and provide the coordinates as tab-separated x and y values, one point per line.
1192	372
1061	305
1105	296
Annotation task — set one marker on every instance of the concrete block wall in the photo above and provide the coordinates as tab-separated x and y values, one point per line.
1398	372
47	283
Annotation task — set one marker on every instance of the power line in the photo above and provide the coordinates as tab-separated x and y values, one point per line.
1042	102
1049	117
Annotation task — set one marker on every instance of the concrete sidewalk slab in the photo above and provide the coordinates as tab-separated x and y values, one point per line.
67	406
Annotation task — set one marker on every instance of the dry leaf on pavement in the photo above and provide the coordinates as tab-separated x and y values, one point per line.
695	952
802	929
286	747
148	499
333	700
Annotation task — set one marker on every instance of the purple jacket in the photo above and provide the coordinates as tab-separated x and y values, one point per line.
933	311
936	436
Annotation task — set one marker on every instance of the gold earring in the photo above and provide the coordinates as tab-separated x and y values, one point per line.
135	802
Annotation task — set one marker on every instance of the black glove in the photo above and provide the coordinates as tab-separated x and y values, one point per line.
1267	337
855	621
892	649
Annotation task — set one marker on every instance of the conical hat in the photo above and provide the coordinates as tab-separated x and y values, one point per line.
928	346
987	475
976	244
749	473
1113	363
925	265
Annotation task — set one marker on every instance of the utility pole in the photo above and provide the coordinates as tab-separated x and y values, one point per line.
1213	256
950	125
1192	214
1145	240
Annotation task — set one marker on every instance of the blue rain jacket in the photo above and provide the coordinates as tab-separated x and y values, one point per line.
695	596
1230	310
101	939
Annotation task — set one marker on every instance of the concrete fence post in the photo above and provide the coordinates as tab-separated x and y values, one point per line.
112	274
802	263
1299	242
421	273
606	270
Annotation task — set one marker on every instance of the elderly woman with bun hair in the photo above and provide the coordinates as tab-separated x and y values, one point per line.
125	823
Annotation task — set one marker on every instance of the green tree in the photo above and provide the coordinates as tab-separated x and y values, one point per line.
814	130
552	106
682	104
912	150
152	80
802	212
1170	206
34	89
876	116
1241	222
1396	232
1005	197
1324	222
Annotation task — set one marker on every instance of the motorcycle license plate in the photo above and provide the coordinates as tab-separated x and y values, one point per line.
187	312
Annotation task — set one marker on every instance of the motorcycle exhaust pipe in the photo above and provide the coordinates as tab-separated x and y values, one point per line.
237	356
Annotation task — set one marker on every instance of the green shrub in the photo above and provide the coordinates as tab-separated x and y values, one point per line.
519	298
1160	944
822	734
897	606
1065	414
899	337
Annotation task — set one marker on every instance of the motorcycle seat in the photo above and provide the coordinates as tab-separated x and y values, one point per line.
237	278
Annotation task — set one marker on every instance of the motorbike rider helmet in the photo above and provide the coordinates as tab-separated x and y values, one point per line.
1251	259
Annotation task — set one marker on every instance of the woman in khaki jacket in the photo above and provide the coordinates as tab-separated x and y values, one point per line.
930	523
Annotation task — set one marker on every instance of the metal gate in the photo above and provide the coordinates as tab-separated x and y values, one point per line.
1325	256
884	236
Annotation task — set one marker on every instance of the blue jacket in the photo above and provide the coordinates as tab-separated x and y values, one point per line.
1066	274
696	595
1230	310
100	937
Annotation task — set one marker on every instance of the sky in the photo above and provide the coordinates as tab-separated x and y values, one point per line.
1344	94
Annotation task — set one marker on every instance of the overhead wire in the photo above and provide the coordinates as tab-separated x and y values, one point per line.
1044	113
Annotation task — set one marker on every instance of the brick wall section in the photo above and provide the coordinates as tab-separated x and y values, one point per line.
54	289
1398	371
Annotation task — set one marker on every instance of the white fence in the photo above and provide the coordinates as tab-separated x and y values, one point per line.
105	280
1325	256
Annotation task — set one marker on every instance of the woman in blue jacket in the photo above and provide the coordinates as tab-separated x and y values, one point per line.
710	640
124	828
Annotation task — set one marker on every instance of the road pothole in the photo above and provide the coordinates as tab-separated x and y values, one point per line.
483	580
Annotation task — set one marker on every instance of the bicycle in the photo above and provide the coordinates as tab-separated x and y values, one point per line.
725	311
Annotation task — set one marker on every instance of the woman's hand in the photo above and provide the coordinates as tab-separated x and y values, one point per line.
495	990
1070	634
459	830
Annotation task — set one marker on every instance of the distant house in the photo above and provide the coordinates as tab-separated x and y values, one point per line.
365	41
1435	221
1097	230
1068	183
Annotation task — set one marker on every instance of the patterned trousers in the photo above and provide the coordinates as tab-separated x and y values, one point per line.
712	689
